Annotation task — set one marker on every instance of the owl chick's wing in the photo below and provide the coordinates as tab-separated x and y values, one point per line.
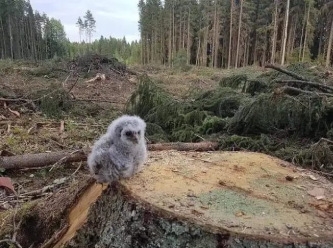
99	160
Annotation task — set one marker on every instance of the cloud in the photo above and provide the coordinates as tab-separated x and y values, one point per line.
113	17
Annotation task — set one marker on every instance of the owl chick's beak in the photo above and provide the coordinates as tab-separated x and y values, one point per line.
135	138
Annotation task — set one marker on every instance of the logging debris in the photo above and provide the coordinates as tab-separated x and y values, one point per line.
280	112
90	64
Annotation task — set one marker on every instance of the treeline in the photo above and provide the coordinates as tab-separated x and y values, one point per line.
30	35
216	33
121	49
234	33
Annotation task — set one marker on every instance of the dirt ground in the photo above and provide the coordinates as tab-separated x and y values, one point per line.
24	130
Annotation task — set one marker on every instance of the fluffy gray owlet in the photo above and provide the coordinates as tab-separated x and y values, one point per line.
121	152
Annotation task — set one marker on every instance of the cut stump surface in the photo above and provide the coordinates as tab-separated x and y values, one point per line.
239	195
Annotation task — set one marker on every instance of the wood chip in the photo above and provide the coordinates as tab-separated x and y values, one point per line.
62	127
317	192
313	177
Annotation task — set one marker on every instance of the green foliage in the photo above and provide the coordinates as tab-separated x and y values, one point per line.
222	102
29	35
269	113
87	25
155	133
183	120
125	52
236	142
213	124
241	82
180	61
55	38
233	81
286	149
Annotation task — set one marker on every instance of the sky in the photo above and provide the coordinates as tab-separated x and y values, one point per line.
116	18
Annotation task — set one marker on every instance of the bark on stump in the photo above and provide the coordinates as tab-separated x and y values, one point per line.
206	199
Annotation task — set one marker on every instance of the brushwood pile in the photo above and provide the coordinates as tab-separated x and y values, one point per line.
90	64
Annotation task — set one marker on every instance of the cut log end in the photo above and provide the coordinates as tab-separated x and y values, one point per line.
205	199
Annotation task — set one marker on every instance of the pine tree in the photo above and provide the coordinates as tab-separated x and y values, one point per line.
89	25
80	25
274	33
327	11
285	29
239	32
230	33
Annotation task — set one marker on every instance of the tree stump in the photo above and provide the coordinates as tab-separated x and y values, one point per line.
205	199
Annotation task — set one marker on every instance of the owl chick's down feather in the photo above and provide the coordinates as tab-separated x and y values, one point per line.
121	152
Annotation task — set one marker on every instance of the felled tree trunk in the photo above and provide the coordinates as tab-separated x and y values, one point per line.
49	158
202	199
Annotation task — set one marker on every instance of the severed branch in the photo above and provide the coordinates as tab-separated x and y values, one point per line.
300	82
289	73
45	159
296	91
322	140
13	99
92	100
40	160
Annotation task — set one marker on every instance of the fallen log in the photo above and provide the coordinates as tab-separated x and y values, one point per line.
45	159
40	159
289	73
301	82
196	199
296	91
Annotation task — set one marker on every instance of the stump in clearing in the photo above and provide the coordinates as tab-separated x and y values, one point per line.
206	199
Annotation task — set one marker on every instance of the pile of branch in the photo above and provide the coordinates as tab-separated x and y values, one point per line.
95	63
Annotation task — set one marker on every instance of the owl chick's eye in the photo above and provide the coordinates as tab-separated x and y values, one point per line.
139	132
128	133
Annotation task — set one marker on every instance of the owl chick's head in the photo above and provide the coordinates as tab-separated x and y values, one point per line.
130	129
